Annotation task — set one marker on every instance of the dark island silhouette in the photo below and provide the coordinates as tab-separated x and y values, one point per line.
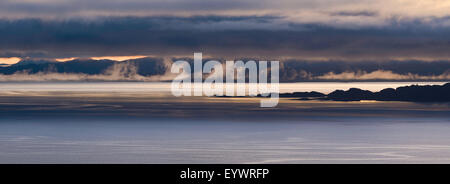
413	93
302	94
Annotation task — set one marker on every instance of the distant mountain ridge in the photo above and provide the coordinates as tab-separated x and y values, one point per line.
416	93
290	70
413	93
145	66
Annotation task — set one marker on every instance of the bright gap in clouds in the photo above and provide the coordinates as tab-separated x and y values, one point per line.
9	61
65	59
117	58
14	60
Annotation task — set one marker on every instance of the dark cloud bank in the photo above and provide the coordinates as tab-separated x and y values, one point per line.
249	36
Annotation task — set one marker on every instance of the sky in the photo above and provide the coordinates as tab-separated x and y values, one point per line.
320	30
326	11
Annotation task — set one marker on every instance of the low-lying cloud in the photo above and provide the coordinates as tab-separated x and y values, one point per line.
119	71
380	75
158	69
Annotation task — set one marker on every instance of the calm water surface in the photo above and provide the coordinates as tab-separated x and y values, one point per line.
143	123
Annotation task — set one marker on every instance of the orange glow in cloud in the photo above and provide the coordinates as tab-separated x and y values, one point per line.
64	59
118	58
9	61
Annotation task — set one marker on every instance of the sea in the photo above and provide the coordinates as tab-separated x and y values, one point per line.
142	122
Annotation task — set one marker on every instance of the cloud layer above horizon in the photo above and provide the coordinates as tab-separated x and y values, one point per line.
325	30
269	37
304	11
